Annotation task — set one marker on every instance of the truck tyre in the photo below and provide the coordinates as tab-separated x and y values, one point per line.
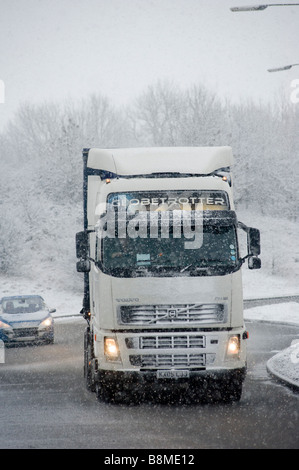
102	393
111	393
105	392
88	356
232	391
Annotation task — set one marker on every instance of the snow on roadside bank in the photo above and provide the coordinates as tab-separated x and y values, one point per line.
285	365
287	312
66	302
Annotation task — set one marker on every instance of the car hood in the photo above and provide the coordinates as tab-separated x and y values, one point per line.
24	319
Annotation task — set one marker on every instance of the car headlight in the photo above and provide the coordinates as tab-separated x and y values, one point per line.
46	323
4	325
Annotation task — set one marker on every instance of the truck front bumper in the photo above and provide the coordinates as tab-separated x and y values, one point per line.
127	380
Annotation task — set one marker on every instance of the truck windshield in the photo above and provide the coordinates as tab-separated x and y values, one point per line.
129	257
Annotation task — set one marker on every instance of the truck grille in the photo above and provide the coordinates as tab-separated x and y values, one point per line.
171	342
154	361
168	314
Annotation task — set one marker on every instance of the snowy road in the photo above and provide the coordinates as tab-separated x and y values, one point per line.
45	404
256	302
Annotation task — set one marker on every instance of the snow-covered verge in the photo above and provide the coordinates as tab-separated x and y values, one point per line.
279	274
67	302
287	312
285	365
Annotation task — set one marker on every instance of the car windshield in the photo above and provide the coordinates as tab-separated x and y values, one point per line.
14	305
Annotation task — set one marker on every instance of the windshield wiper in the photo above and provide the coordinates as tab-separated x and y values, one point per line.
197	268
208	264
186	267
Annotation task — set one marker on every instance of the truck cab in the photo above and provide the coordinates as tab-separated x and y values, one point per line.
162	271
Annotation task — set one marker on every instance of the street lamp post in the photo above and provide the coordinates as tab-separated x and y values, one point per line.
262	7
280	69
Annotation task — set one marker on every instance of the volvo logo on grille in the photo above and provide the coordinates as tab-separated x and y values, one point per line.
172	312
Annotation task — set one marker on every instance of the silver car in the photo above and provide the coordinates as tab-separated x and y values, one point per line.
26	319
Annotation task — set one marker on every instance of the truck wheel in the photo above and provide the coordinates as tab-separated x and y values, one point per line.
225	391
109	394
103	393
232	391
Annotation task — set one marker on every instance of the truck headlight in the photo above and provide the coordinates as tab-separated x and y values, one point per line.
233	346
111	349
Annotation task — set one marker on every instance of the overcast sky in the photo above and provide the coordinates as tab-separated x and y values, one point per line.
54	49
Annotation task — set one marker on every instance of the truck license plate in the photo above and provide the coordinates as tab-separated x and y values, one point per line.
173	374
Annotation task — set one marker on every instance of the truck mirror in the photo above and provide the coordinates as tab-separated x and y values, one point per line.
82	245
254	263
254	247
83	266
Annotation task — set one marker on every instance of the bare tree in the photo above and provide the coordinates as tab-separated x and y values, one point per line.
157	114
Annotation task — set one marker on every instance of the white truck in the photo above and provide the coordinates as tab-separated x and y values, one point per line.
162	272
